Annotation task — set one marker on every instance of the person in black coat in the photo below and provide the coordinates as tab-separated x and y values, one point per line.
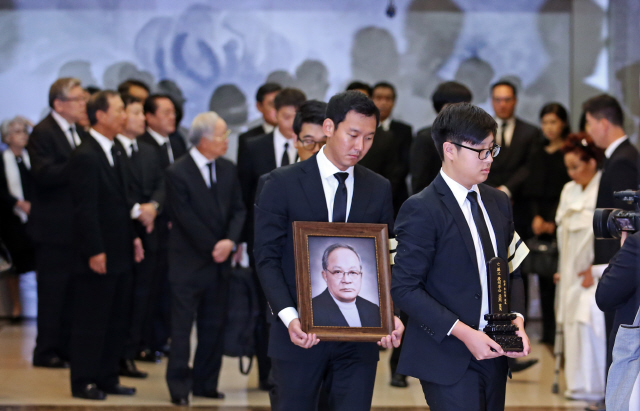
265	97
207	211
107	247
16	192
146	194
445	234
301	364
425	161
51	221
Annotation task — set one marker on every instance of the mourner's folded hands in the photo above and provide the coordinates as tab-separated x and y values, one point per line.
479	343
237	256
394	339
138	250
525	340
221	250
299	337
148	214
24	206
98	263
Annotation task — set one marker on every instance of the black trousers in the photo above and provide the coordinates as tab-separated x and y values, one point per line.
481	388
261	333
55	296
344	376
206	303
100	325
159	330
395	354
142	306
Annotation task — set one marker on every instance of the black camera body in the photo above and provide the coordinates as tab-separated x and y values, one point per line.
611	222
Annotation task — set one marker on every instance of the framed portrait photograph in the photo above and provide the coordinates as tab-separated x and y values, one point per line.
343	279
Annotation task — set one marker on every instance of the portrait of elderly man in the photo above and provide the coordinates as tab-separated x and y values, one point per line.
339	305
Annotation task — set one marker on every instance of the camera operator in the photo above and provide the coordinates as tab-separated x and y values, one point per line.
619	292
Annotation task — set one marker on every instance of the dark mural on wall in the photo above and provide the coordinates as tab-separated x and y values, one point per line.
216	56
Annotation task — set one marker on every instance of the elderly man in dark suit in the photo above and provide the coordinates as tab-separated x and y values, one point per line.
446	234
50	146
330	186
207	213
107	247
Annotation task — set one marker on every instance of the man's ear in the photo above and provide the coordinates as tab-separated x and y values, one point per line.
100	115
448	150
328	127
259	106
324	275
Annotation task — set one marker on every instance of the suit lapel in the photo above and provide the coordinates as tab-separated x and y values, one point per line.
361	196
60	137
196	177
224	186
497	222
311	183
110	171
454	208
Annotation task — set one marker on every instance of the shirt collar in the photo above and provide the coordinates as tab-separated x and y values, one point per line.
104	142
386	125
127	142
459	191
327	168
509	121
62	122
268	128
200	160
279	140
612	147
160	139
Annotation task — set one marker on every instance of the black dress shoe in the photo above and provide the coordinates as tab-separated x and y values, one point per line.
119	390
517	366
89	392
598	406
180	401
52	362
399	380
210	394
128	369
149	356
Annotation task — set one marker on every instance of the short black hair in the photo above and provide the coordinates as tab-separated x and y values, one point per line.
351	100
99	102
561	112
312	112
505	83
124	87
462	123
450	92
359	85
92	89
151	105
265	89
384	84
605	106
129	99
289	97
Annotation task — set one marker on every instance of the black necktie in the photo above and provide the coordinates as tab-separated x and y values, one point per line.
481	225
73	137
24	180
503	129
134	153
340	199
213	185
167	150
285	156
117	164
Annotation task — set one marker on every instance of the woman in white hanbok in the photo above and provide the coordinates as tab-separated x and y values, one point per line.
576	310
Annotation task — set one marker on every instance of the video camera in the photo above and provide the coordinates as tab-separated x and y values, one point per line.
611	222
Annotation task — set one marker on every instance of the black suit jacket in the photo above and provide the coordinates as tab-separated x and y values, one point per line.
425	161
51	218
326	312
12	230
511	167
383	158
402	139
102	220
199	219
295	193
178	147
244	137
620	172
436	279
619	288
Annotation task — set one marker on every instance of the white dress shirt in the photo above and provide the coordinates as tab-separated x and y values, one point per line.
330	186
508	131
612	147
386	124
162	140
278	146
202	163
73	138
268	128
105	143
130	145
349	311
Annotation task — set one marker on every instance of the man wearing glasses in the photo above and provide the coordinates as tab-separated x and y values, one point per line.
339	305
307	126
446	234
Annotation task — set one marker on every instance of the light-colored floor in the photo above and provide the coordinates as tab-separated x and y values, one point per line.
21	384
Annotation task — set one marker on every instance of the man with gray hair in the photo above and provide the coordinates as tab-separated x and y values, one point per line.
339	305
51	221
205	204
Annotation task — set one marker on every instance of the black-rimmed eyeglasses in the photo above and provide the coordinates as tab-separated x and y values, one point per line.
482	153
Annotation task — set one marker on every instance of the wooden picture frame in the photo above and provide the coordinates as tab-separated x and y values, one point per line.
317	288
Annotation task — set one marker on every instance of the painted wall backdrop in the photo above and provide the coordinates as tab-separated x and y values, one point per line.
218	52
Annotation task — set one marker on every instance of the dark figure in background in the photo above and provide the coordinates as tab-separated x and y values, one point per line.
160	114
51	221
135	88
145	193
107	248
265	97
301	364
261	155
360	86
384	97
541	192
205	203
16	192
425	161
